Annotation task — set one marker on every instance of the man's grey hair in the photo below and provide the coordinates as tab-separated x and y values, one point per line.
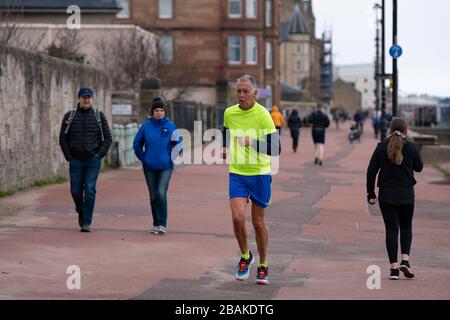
250	79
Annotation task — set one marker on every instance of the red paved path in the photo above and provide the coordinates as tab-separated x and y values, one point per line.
322	235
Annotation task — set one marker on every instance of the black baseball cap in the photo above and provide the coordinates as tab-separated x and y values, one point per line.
85	92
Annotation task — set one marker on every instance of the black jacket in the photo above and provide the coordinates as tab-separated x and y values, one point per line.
395	182
294	123
319	120
84	138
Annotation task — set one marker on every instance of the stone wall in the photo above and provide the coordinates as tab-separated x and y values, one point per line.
35	92
443	134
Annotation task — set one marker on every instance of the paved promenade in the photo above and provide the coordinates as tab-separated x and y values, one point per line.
323	236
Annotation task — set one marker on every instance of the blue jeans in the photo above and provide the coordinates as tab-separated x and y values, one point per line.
158	183
83	180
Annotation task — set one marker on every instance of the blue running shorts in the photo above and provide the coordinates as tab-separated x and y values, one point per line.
256	188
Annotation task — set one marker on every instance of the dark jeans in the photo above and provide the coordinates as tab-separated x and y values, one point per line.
83	180
395	217
158	183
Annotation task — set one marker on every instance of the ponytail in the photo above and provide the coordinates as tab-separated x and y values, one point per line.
397	139
395	147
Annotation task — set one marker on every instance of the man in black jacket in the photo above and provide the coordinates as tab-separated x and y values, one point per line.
84	138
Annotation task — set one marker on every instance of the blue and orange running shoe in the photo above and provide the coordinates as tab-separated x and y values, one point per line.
243	268
262	275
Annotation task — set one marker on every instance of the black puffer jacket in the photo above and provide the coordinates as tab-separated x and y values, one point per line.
84	138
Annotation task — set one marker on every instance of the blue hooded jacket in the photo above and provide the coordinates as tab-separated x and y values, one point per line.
156	142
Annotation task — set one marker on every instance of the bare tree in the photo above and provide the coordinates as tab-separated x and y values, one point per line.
132	57
129	58
67	45
13	33
7	27
178	79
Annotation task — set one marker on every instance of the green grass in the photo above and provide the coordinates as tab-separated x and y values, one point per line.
37	183
442	170
44	182
5	194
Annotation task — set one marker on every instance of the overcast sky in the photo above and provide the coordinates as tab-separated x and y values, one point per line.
423	33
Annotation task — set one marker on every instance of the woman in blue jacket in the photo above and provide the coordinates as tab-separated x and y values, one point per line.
156	144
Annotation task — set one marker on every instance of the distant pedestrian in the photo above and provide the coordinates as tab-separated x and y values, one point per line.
376	121
253	138
394	160
157	144
358	117
354	132
294	124
277	118
320	122
336	117
85	139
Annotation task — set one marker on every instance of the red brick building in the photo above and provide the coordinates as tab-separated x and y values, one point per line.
204	42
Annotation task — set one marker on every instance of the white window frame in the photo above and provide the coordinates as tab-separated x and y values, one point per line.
298	65
251	9
166	57
235	15
231	47
161	5
253	50
269	56
298	48
125	12
269	13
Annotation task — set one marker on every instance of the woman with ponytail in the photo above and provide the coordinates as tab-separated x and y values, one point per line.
395	160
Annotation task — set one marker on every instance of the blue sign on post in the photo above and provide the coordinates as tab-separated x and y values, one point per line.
396	51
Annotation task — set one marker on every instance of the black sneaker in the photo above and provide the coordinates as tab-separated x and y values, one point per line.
320	162
316	160
406	269
85	228
395	274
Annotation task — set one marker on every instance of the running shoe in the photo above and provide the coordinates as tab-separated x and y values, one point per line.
243	268
406	269
395	274
262	275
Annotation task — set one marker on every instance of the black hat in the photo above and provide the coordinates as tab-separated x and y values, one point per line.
85	92
157	103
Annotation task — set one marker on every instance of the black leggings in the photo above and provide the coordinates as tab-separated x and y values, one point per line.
395	217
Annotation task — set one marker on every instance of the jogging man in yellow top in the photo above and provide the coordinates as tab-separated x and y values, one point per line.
249	139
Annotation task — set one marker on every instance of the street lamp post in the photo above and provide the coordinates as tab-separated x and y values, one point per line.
394	63
377	60
382	76
383	122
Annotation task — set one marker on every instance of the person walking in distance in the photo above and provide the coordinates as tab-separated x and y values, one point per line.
320	121
157	144
294	124
277	118
394	160
249	139
85	139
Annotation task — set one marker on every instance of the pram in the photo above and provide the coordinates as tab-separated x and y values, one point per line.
354	133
